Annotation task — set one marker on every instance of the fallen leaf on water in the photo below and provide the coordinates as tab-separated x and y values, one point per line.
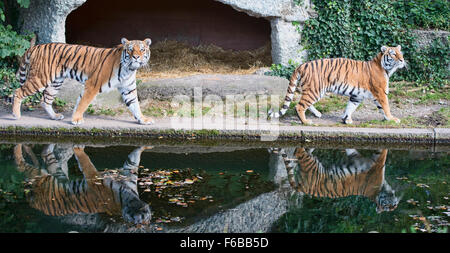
174	200
175	219
412	201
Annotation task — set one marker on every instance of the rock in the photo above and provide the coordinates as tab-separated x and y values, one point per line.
284	9
47	18
425	38
262	71
286	43
71	89
216	85
167	89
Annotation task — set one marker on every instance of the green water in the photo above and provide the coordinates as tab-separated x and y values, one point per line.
165	189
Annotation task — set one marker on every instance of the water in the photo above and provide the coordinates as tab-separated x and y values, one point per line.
63	187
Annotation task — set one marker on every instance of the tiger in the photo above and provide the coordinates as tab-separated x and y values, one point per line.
54	193
356	175
43	68
357	79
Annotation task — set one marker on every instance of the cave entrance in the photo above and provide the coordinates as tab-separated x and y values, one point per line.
202	36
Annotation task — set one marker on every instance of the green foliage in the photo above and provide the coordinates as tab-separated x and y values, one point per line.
424	14
12	46
354	29
431	65
283	71
8	82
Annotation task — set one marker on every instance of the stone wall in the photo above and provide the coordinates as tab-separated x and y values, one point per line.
48	18
426	37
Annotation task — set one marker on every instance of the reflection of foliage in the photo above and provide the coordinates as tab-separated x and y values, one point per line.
12	196
325	215
421	178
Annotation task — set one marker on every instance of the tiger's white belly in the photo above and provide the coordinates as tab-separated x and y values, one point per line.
350	91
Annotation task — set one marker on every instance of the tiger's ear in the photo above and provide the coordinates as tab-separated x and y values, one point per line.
399	47
383	49
148	41
124	41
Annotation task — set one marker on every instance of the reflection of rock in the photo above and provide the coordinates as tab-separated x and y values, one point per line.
354	175
253	216
56	194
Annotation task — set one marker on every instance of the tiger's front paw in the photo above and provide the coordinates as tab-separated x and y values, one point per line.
348	121
146	121
395	119
77	120
307	122
16	116
78	148
58	116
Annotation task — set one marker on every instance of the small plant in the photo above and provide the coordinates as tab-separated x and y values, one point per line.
90	109
283	71
59	102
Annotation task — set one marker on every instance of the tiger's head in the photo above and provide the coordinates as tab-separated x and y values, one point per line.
392	59
136	53
386	199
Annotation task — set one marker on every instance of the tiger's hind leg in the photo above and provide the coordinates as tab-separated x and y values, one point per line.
301	108
85	99
28	88
314	111
48	98
353	103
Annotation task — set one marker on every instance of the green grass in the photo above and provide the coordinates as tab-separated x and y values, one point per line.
401	90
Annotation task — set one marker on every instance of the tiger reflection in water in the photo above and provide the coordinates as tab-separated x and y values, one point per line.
55	194
358	175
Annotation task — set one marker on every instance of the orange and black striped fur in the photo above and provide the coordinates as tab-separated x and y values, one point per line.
44	68
356	175
356	79
54	193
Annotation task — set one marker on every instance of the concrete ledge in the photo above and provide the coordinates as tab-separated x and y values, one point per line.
127	128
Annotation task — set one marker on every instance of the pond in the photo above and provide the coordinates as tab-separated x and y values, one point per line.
296	188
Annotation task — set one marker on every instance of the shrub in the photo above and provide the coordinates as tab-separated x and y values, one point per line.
12	46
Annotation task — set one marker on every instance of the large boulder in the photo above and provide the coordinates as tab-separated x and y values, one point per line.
167	89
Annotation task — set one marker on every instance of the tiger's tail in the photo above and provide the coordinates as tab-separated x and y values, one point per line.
22	72
293	83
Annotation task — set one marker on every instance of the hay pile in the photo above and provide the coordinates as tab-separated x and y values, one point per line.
175	59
